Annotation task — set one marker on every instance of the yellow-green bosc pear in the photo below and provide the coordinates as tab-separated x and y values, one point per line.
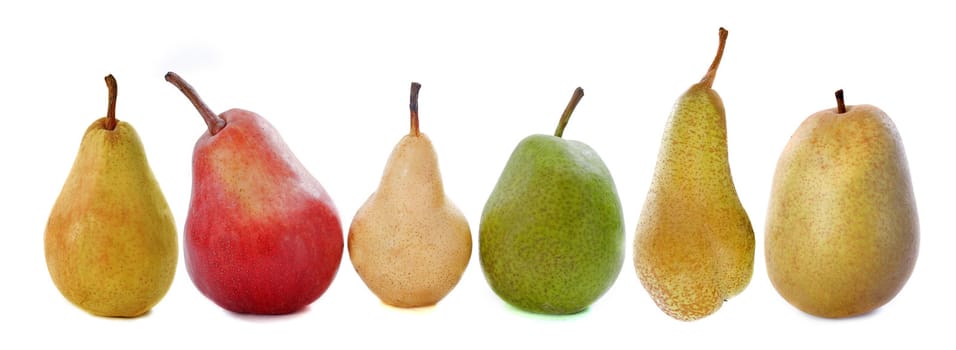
111	243
694	245
409	243
842	233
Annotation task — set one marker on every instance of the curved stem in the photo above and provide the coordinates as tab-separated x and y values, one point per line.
110	123
841	106
213	121
575	98
413	108
708	79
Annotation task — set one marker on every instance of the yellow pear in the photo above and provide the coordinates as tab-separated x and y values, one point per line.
842	233
111	245
694	245
409	242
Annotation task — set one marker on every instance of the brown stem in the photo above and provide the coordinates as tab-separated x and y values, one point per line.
841	106
413	108
708	79
213	121
575	98
110	122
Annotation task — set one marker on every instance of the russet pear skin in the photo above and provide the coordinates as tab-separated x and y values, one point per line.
842	233
111	242
694	245
409	243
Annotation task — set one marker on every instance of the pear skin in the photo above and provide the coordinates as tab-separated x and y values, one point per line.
842	232
409	243
694	245
111	243
262	236
551	238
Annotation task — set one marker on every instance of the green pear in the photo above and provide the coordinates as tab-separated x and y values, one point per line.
551	238
842	233
111	244
694	245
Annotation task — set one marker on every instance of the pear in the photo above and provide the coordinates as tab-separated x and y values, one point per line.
409	243
694	245
551	238
842	233
262	235
110	242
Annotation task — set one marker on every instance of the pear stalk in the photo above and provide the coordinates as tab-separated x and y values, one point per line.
708	79
413	108
110	123
575	98
213	121
841	105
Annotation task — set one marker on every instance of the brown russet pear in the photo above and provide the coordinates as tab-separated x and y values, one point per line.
842	233
409	243
111	243
694	245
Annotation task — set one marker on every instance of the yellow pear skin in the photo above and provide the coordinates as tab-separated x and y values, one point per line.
842	233
694	245
110	242
409	243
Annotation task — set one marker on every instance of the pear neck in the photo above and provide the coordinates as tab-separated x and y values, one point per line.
412	171
697	130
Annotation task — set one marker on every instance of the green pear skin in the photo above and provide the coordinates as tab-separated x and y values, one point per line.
551	238
842	233
694	245
110	242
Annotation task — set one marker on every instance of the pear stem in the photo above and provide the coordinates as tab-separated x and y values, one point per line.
708	79
213	121
841	106
110	123
575	98
413	108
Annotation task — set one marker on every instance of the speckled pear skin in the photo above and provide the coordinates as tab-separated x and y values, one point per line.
409	243
694	245
842	233
551	238
110	242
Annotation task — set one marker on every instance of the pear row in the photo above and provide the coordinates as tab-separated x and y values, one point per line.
262	236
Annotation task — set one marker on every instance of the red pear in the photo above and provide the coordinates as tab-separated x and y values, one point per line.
262	236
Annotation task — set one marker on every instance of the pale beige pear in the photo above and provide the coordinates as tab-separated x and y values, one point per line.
110	242
694	245
842	233
409	243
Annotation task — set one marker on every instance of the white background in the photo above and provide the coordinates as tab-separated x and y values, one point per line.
333	79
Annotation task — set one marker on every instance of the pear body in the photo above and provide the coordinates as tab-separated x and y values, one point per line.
551	238
409	243
694	245
842	233
111	243
262	235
